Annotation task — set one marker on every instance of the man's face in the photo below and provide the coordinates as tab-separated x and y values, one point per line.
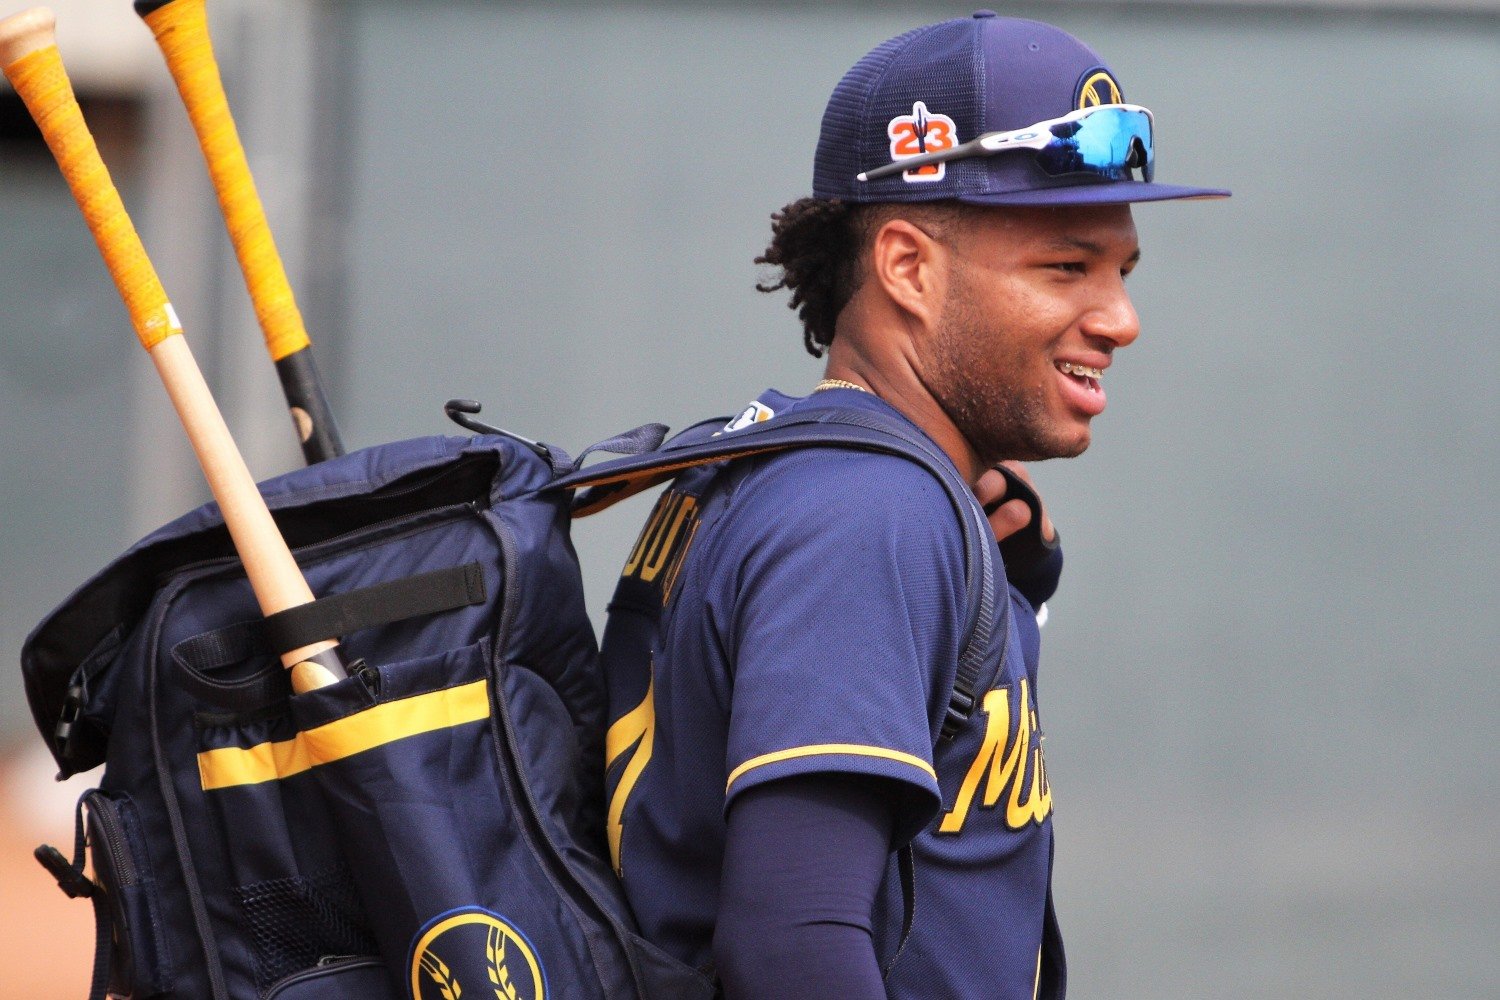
1036	306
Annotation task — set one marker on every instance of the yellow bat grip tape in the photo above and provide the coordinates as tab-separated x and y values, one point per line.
43	84
181	30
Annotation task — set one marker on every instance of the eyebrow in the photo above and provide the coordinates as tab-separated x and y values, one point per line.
1088	247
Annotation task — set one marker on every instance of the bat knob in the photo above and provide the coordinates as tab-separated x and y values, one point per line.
22	34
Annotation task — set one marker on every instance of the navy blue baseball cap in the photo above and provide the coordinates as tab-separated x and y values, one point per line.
992	111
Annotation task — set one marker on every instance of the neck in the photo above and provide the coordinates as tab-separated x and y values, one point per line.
892	376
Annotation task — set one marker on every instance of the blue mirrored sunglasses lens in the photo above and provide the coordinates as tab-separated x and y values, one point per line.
1108	143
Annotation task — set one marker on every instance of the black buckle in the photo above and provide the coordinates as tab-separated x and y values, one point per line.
70	880
67	720
960	707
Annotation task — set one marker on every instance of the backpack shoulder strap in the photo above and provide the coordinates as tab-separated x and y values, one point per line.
607	483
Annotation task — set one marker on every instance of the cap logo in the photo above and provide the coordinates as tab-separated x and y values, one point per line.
921	132
1098	87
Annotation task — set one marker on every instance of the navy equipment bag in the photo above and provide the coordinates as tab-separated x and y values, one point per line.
431	826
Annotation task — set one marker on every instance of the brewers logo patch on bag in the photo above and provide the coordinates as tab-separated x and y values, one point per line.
433	825
475	939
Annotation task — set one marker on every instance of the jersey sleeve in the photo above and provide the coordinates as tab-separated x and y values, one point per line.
841	610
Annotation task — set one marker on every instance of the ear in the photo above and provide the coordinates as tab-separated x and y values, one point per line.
911	268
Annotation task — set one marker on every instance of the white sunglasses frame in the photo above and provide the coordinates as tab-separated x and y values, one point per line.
1038	136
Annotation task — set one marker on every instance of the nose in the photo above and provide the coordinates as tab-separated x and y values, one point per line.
1113	318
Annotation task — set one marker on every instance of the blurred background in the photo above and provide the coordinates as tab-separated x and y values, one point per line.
1270	678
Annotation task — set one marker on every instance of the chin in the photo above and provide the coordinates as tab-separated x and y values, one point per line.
1076	448
1078	445
1023	436
1061	445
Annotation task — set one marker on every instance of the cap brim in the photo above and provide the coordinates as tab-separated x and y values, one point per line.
1107	193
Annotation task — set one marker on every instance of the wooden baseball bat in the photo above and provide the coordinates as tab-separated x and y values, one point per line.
30	60
181	31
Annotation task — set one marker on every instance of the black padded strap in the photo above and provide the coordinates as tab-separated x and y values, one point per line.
907	866
392	601
609	482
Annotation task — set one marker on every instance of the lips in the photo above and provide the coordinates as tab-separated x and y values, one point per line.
1081	386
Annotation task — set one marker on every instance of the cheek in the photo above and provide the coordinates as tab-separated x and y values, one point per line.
1033	313
1005	328
1051	312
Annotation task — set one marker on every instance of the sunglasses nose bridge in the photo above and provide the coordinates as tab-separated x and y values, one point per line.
1141	158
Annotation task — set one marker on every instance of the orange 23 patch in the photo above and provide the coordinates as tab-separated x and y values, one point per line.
920	132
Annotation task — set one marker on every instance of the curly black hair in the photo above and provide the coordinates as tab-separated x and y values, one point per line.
817	245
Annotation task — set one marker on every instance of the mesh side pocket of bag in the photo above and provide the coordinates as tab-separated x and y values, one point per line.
298	921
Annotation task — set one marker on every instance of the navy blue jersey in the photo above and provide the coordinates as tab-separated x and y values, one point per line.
803	612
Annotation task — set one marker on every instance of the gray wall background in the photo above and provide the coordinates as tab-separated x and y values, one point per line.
1269	680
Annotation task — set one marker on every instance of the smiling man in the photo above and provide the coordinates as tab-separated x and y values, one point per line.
788	771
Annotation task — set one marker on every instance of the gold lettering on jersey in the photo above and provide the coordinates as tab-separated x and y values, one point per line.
682	508
663	542
651	532
635	729
678	559
1007	764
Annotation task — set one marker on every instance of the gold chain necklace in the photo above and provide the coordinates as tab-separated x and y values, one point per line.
838	383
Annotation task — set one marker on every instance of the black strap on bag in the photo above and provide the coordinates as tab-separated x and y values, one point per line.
198	658
392	601
74	883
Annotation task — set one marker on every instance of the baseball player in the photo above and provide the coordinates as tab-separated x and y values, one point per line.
783	643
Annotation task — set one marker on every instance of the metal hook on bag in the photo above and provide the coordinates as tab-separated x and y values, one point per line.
459	411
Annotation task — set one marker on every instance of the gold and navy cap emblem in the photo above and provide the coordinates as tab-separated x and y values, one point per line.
473	952
1097	87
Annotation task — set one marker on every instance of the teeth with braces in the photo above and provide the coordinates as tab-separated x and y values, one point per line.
1068	368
